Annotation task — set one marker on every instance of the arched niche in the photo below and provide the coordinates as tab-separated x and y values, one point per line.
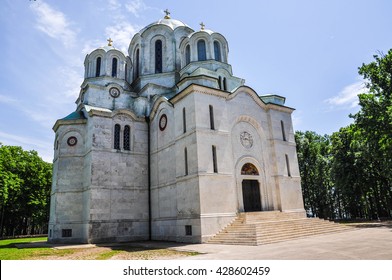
249	169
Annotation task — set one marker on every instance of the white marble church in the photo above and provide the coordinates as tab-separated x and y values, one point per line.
167	144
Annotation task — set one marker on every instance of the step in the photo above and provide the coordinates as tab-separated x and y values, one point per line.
257	228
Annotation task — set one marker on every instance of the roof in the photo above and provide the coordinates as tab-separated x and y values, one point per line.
77	115
172	23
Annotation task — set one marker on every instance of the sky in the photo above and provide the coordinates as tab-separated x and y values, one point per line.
308	51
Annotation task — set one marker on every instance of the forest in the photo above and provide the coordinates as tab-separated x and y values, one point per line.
346	175
25	181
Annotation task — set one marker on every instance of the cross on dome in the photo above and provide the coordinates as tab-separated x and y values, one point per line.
110	41
167	14
202	25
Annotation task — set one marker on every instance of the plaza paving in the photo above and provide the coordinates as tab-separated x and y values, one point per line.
366	242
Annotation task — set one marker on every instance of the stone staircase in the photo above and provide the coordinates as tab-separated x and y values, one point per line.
257	228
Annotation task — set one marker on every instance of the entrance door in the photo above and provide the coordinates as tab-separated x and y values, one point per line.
251	195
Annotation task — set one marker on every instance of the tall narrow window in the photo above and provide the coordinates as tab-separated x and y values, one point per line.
288	165
214	160
201	50
187	54
212	123
184	120
98	67
220	82
117	129
158	56
137	64
186	161
126	71
283	131
224	84
114	67
127	143
217	51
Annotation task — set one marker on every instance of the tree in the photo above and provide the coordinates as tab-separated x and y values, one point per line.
25	181
315	165
374	121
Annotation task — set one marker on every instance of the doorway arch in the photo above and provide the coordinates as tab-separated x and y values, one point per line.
250	198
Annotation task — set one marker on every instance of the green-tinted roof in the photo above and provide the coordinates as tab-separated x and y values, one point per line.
274	99
77	115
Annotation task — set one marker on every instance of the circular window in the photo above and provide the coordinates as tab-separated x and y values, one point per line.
72	141
114	92
163	122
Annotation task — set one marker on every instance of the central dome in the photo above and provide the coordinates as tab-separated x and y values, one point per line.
172	23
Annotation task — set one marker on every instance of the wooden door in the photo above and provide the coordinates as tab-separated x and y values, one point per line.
251	195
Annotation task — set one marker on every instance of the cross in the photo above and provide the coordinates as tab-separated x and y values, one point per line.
167	14
202	25
110	42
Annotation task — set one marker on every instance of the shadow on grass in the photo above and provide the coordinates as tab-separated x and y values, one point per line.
129	247
147	246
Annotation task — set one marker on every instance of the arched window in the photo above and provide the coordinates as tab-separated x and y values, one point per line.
249	169
117	129
114	67
187	54
158	56
217	51
127	143
220	82
137	64
224	84
201	50
98	67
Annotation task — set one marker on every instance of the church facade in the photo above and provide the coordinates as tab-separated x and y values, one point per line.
167	144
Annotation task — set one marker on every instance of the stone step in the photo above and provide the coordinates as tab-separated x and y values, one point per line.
269	227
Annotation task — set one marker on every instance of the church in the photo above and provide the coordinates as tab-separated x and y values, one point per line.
166	143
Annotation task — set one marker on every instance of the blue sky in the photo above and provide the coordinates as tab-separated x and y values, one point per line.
307	50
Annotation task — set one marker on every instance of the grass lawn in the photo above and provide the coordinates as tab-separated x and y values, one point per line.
10	251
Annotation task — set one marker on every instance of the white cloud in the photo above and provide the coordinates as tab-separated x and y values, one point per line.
135	7
17	140
54	23
44	148
7	100
114	5
122	33
348	96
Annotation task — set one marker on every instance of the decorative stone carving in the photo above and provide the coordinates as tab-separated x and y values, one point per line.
71	141
246	140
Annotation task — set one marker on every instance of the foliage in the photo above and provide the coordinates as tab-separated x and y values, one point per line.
25	181
313	154
357	178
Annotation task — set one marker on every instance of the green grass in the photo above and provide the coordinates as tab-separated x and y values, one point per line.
107	255
8	250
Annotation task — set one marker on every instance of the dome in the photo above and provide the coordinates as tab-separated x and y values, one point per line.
107	48
172	23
